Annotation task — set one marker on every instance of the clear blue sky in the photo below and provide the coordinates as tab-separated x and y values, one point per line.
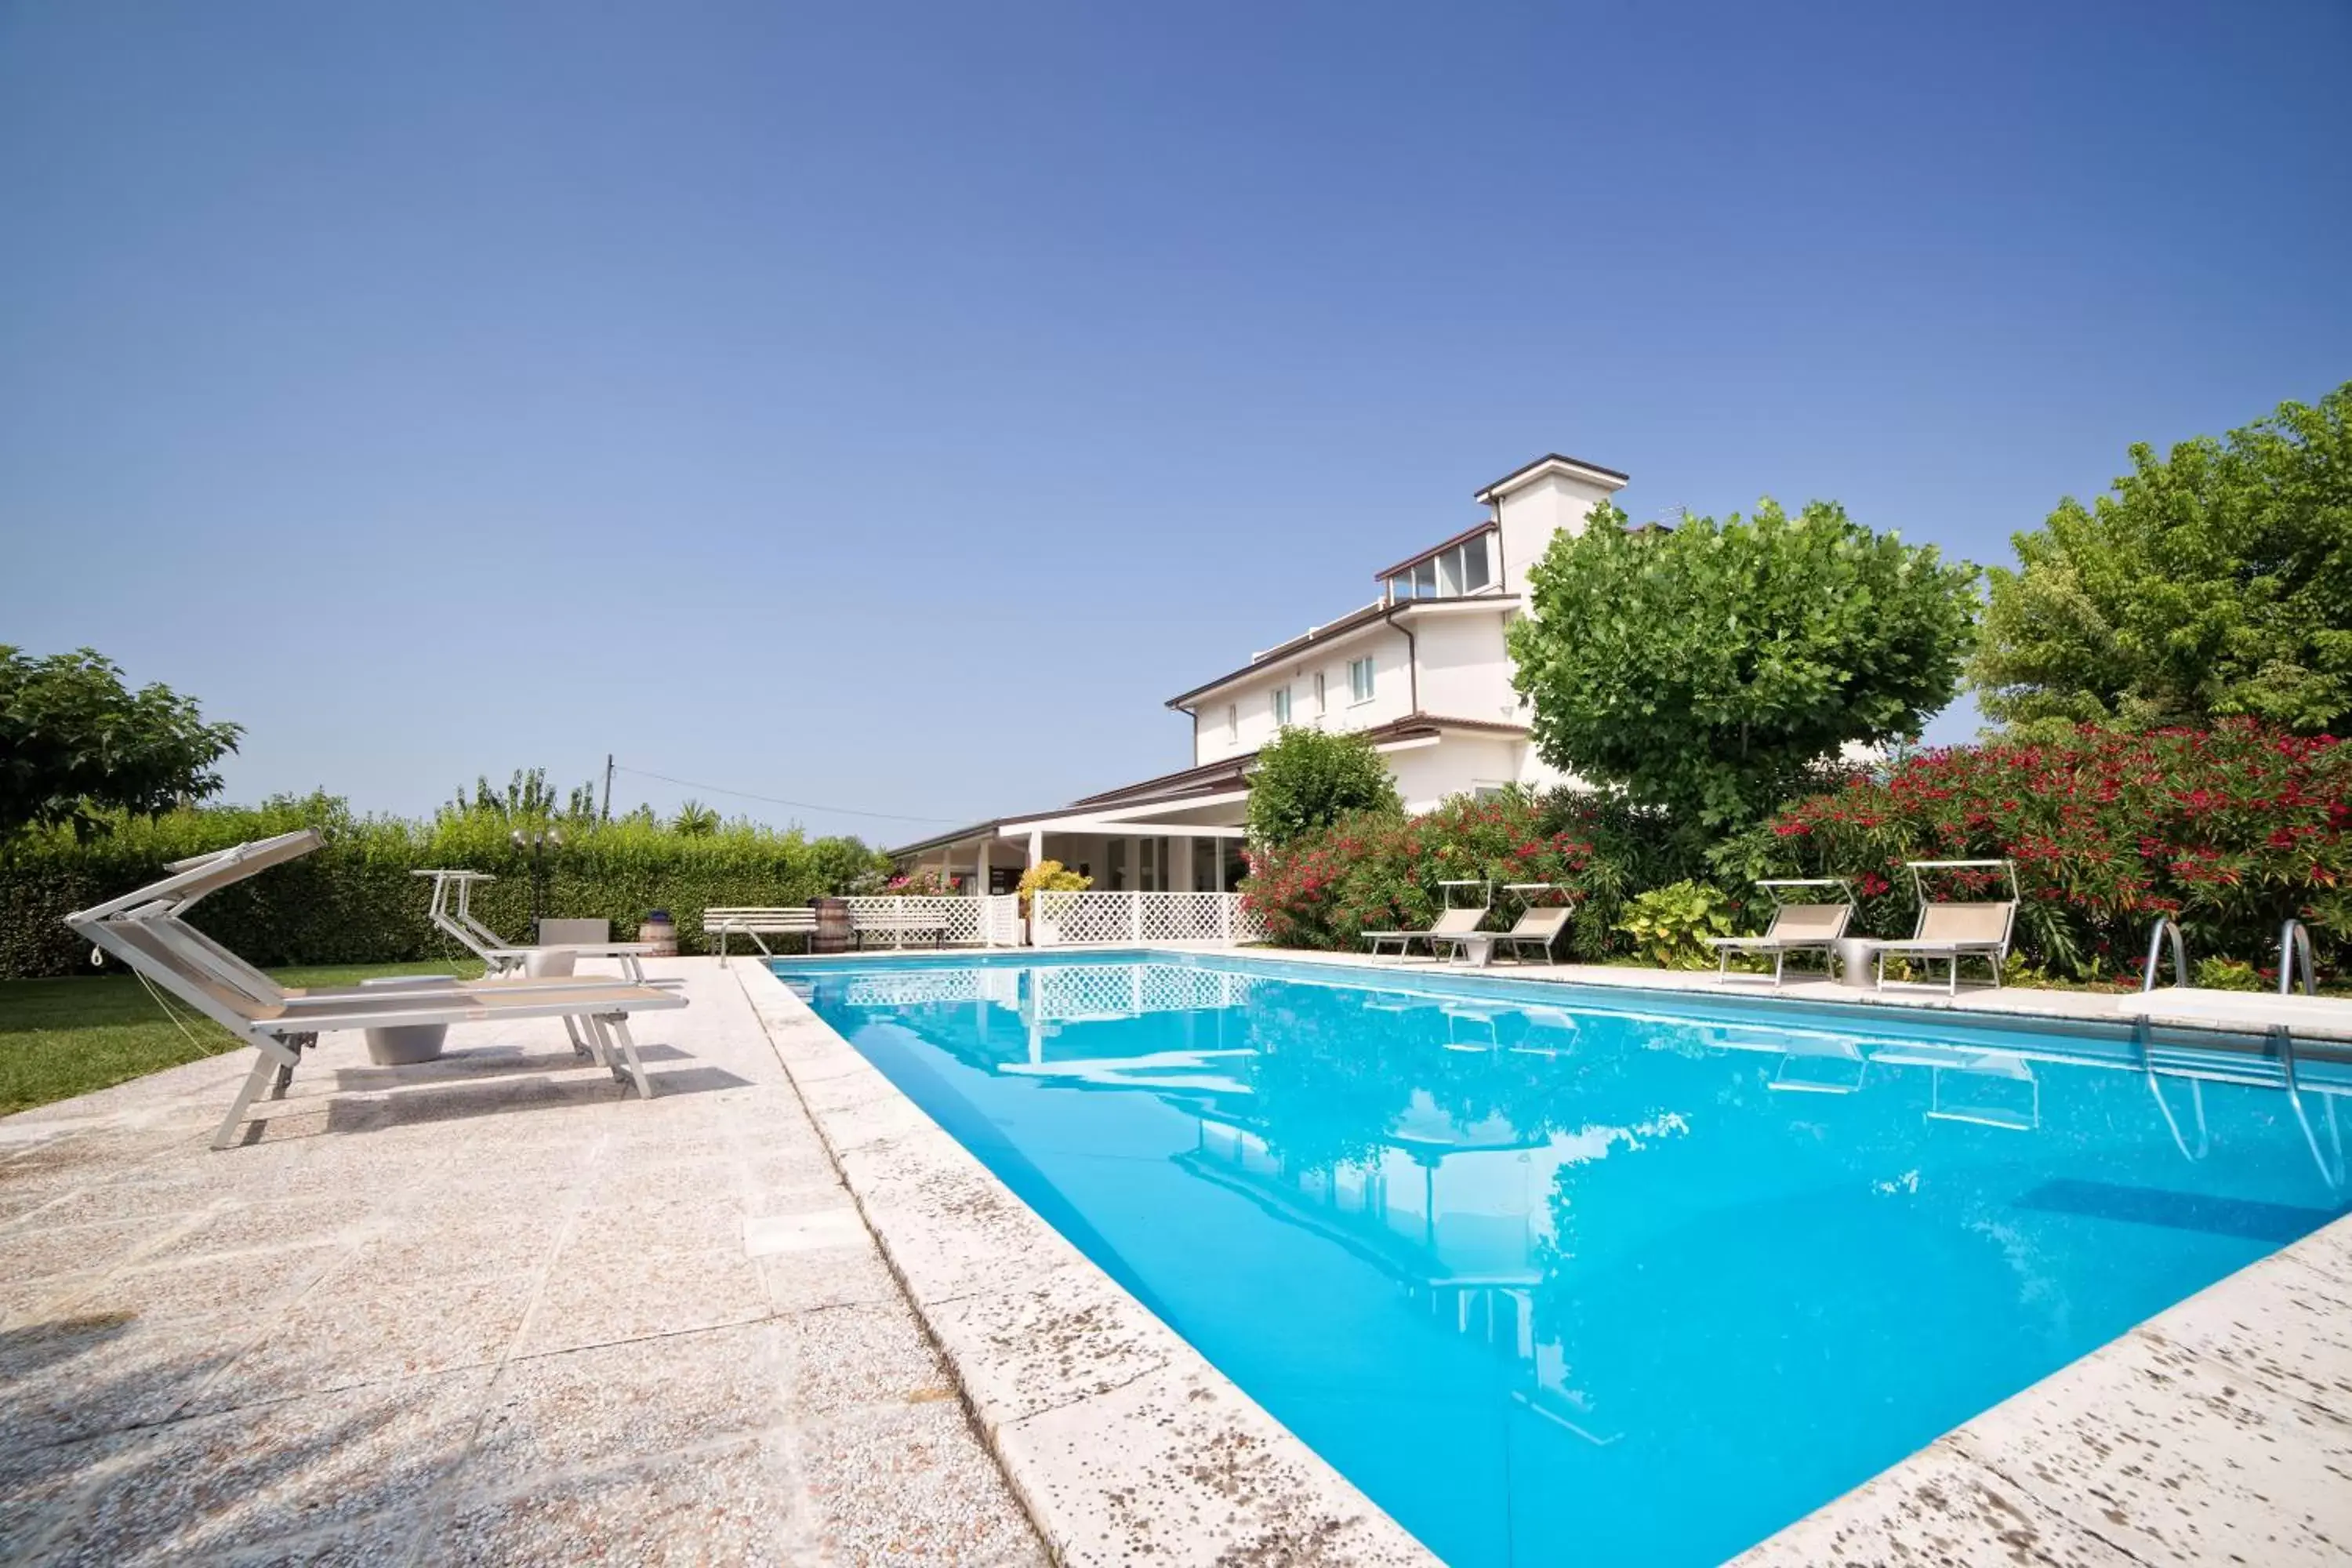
889	408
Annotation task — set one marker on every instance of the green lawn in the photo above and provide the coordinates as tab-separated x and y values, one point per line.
63	1037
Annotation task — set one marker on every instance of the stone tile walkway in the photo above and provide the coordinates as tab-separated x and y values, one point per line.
495	1312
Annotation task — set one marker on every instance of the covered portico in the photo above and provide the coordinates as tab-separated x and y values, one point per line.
1119	851
1181	833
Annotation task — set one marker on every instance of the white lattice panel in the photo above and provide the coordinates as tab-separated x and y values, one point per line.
917	921
1065	919
1071	918
1001	919
927	988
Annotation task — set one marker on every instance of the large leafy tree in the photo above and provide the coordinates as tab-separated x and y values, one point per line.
1308	779
2215	581
76	743
1710	667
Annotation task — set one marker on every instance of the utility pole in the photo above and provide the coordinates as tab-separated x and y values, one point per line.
606	815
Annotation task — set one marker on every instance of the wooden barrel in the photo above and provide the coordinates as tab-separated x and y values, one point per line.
832	925
661	932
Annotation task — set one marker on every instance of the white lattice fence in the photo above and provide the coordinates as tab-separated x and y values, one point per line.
1128	989
1067	920
1000	920
917	921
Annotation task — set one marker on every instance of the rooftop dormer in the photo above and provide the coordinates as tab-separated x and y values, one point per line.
1457	566
1551	495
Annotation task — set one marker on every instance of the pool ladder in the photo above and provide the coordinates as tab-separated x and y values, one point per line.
2295	943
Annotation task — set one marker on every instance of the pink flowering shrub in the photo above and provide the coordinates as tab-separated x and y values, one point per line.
1378	872
2228	831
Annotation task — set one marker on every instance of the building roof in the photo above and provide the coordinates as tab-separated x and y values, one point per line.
1208	779
1528	471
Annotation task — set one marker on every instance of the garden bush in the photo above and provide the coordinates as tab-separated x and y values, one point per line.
2229	831
355	900
1376	871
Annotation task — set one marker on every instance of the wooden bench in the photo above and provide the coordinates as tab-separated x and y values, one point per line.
756	923
899	925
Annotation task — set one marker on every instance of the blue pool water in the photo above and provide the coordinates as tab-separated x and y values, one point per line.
1573	1276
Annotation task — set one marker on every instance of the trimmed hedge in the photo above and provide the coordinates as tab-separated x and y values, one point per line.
354	901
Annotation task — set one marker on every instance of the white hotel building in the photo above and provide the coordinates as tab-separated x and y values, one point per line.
1422	670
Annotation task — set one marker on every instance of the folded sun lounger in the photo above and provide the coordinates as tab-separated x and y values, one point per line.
1798	926
144	930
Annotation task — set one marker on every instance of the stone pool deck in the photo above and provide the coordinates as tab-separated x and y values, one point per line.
492	1312
496	1311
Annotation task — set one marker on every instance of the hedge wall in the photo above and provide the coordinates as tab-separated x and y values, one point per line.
354	901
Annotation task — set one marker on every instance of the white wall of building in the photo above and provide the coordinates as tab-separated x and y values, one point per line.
1464	668
1252	700
1532	514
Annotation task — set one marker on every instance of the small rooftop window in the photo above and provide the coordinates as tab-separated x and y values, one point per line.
1459	569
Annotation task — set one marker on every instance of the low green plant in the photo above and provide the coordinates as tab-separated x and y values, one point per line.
2215	973
1051	876
1670	925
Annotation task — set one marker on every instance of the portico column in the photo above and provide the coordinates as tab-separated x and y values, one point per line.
979	869
1036	846
1220	864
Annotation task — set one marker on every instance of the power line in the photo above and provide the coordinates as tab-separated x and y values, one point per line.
775	800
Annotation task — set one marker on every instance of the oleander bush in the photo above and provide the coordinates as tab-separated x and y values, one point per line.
1376	871
355	900
2229	831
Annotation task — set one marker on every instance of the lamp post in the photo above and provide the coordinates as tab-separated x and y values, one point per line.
538	841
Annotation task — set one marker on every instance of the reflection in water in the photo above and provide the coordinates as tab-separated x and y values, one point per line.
1533	1273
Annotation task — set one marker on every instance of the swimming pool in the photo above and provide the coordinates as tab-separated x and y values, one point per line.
1559	1274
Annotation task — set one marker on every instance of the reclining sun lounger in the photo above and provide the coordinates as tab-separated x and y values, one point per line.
1954	930
1455	921
1538	926
1797	926
144	930
455	917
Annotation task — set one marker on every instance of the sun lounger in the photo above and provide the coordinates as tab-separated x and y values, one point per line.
144	930
754	923
1798	926
452	913
1538	926
1957	929
1456	921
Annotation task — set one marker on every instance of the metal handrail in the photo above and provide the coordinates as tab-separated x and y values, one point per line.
2292	940
2164	923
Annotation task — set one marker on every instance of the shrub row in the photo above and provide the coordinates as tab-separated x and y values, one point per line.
2229	831
1379	871
355	900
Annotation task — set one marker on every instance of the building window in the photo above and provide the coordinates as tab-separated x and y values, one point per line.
1322	703
1467	568
1281	706
1233	721
1360	680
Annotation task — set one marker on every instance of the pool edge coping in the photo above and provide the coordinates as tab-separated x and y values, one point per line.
1119	1439
2040	1463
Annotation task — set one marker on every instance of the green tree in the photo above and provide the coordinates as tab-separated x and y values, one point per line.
1308	779
528	798
1709	669
2215	581
696	820
75	743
